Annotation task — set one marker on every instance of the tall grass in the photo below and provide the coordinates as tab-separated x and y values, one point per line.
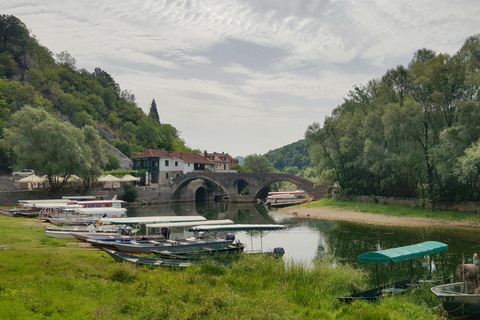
42	278
393	210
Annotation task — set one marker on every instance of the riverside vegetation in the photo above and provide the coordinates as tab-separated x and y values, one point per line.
47	278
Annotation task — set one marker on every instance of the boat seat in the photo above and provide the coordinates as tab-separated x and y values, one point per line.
393	290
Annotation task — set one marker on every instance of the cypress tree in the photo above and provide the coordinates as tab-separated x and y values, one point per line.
153	111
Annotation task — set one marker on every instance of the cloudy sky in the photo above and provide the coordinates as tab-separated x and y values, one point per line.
247	76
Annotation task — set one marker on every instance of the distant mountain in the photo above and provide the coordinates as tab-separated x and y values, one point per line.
240	160
292	155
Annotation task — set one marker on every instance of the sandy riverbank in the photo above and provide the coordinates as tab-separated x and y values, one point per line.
369	218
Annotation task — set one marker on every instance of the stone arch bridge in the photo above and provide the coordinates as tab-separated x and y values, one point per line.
256	182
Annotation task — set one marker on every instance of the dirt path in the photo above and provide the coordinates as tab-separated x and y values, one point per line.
369	218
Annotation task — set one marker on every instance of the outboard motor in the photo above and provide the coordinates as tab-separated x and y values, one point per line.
165	233
121	230
278	252
230	237
469	274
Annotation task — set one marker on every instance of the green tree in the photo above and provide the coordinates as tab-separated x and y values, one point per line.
42	142
12	30
154	112
130	193
258	164
113	162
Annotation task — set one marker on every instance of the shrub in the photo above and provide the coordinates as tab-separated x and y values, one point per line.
130	193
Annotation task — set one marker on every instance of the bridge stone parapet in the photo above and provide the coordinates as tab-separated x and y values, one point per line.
257	182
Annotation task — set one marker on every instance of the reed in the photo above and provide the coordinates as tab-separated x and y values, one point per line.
42	278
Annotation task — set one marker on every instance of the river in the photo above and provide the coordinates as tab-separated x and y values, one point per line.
305	240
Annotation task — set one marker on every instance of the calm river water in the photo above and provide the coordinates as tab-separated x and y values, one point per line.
306	239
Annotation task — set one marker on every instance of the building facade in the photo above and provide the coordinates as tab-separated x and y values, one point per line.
162	166
223	161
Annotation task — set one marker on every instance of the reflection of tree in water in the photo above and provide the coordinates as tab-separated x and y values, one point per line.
348	241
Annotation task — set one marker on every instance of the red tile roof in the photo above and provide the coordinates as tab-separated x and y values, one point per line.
186	157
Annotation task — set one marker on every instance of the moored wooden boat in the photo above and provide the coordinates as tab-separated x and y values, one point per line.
202	252
146	261
192	244
394	255
461	298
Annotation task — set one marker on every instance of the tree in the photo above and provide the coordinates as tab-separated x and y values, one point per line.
106	80
64	58
12	30
96	159
42	142
153	111
113	162
258	164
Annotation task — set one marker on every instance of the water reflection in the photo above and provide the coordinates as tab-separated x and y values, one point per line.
306	239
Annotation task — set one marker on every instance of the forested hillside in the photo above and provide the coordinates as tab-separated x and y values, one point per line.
413	133
32	75
292	157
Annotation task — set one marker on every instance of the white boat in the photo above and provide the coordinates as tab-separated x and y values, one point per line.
75	209
92	231
461	298
287	198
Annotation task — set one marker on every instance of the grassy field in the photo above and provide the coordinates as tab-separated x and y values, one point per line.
392	210
47	278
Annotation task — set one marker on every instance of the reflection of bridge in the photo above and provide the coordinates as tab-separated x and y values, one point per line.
256	182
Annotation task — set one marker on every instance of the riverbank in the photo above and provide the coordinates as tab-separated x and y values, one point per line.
47	278
328	211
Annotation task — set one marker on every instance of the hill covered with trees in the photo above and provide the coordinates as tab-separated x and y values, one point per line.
412	133
31	75
292	157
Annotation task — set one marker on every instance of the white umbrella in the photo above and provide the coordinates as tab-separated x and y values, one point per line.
128	178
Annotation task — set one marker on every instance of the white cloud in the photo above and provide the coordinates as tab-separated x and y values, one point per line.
245	76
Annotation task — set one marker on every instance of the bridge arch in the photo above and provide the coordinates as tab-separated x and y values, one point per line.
180	183
257	182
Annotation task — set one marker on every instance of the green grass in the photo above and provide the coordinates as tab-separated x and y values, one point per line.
45	278
393	210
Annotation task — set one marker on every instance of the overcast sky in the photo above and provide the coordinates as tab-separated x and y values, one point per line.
244	77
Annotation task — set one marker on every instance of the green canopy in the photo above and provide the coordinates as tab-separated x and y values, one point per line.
403	253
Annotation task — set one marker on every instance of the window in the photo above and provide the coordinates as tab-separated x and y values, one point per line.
166	175
176	163
166	163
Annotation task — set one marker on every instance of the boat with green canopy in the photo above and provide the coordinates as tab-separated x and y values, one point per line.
387	256
403	253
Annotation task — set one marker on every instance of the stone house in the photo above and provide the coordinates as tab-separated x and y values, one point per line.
223	161
162	166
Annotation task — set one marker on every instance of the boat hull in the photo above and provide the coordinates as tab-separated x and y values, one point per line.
59	234
171	245
459	298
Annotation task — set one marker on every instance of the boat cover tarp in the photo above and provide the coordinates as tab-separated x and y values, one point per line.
188	223
238	227
403	253
151	219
